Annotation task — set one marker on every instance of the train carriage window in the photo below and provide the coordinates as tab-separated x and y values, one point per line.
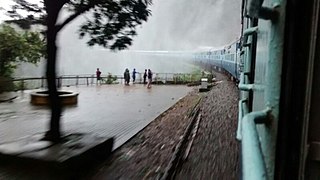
229	57
237	46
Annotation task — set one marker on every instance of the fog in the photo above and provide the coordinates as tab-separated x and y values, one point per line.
175	25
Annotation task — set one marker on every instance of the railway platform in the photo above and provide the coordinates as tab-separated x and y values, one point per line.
116	111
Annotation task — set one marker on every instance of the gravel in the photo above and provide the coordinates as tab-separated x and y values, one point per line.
215	151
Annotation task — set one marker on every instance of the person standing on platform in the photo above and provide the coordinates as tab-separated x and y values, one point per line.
98	75
145	76
126	76
149	78
134	75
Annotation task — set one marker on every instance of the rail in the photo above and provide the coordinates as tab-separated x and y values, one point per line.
89	79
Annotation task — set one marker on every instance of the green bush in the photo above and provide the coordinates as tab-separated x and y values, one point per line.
110	79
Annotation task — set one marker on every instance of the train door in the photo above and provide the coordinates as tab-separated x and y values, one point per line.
311	169
298	146
261	83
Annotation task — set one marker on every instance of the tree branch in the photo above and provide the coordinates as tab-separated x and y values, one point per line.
29	7
73	16
61	3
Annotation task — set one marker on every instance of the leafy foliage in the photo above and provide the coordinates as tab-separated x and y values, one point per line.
29	8
111	23
19	47
110	79
115	22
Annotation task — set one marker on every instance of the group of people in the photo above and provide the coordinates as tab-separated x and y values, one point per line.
147	75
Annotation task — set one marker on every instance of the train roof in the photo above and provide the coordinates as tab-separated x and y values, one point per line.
202	49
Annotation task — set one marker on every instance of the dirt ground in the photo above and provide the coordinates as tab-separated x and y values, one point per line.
214	153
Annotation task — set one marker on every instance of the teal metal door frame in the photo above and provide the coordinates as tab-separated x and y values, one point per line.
258	130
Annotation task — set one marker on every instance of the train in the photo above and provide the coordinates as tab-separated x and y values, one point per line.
226	59
276	64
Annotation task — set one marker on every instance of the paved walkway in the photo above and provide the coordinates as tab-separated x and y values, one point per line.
107	110
7	96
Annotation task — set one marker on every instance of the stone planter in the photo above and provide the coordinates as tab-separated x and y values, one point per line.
42	97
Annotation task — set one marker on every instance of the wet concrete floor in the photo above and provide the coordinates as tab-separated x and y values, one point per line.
107	110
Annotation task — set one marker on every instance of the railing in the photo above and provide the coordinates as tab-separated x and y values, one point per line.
75	80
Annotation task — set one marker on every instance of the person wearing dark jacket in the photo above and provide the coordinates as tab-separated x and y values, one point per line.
149	78
145	76
98	74
126	76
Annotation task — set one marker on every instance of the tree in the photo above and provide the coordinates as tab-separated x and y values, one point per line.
112	25
18	47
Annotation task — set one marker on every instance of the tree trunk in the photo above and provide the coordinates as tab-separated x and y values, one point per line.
55	103
54	133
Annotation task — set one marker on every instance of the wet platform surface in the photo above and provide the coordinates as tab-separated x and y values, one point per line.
107	110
